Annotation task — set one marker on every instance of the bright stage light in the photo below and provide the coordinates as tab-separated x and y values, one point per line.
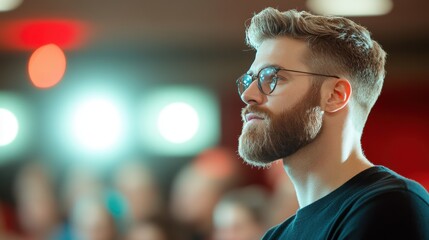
16	126
8	5
178	122
97	124
8	127
351	7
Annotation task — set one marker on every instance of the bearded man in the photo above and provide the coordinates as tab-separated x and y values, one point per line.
308	94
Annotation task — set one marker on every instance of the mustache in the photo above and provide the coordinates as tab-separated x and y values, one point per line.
265	113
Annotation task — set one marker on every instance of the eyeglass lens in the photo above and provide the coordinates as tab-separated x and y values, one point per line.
267	80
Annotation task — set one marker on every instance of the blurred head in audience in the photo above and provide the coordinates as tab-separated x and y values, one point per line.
241	214
38	212
140	190
81	182
147	230
194	196
91	220
199	185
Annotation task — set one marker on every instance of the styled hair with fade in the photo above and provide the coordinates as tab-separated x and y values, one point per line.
337	46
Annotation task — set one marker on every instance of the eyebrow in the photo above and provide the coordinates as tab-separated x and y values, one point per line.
265	66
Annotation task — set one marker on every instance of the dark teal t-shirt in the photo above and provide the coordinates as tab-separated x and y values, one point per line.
375	204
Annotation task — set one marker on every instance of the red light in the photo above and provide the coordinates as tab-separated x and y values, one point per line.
31	34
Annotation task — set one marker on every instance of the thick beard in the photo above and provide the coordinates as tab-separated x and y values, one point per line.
281	136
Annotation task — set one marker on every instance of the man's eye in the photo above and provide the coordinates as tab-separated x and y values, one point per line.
279	77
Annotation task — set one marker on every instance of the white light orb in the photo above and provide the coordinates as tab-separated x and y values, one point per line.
8	5
97	124
8	127
178	122
351	7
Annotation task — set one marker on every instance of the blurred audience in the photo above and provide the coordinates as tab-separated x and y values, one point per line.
207	200
37	206
81	182
198	187
149	229
90	220
139	192
193	198
241	214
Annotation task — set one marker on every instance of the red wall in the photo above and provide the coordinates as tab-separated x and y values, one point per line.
397	132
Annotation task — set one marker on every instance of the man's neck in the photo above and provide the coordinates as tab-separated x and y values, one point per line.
324	165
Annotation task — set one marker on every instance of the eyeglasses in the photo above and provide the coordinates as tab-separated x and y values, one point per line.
267	79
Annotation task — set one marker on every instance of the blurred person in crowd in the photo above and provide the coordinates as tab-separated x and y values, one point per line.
90	220
37	204
148	229
308	94
193	198
197	188
241	214
81	181
140	192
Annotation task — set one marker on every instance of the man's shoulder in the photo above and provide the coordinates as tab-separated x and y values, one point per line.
391	201
385	182
276	231
392	213
372	202
379	204
389	205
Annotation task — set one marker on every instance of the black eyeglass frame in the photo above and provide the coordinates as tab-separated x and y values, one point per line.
277	69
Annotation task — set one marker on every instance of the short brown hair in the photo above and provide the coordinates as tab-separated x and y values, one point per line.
337	46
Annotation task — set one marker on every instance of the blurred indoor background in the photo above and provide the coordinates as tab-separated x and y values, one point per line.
137	123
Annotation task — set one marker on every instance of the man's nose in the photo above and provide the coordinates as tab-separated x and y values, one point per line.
252	95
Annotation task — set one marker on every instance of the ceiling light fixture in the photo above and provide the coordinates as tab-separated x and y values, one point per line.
350	7
8	5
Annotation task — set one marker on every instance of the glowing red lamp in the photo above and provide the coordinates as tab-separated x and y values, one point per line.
31	34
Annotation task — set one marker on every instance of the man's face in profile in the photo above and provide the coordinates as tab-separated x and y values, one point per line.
281	128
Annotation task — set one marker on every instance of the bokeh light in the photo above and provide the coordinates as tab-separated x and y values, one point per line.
97	124
16	126
30	34
8	5
351	7
8	127
47	66
178	122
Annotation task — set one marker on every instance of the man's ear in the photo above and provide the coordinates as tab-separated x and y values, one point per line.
337	95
